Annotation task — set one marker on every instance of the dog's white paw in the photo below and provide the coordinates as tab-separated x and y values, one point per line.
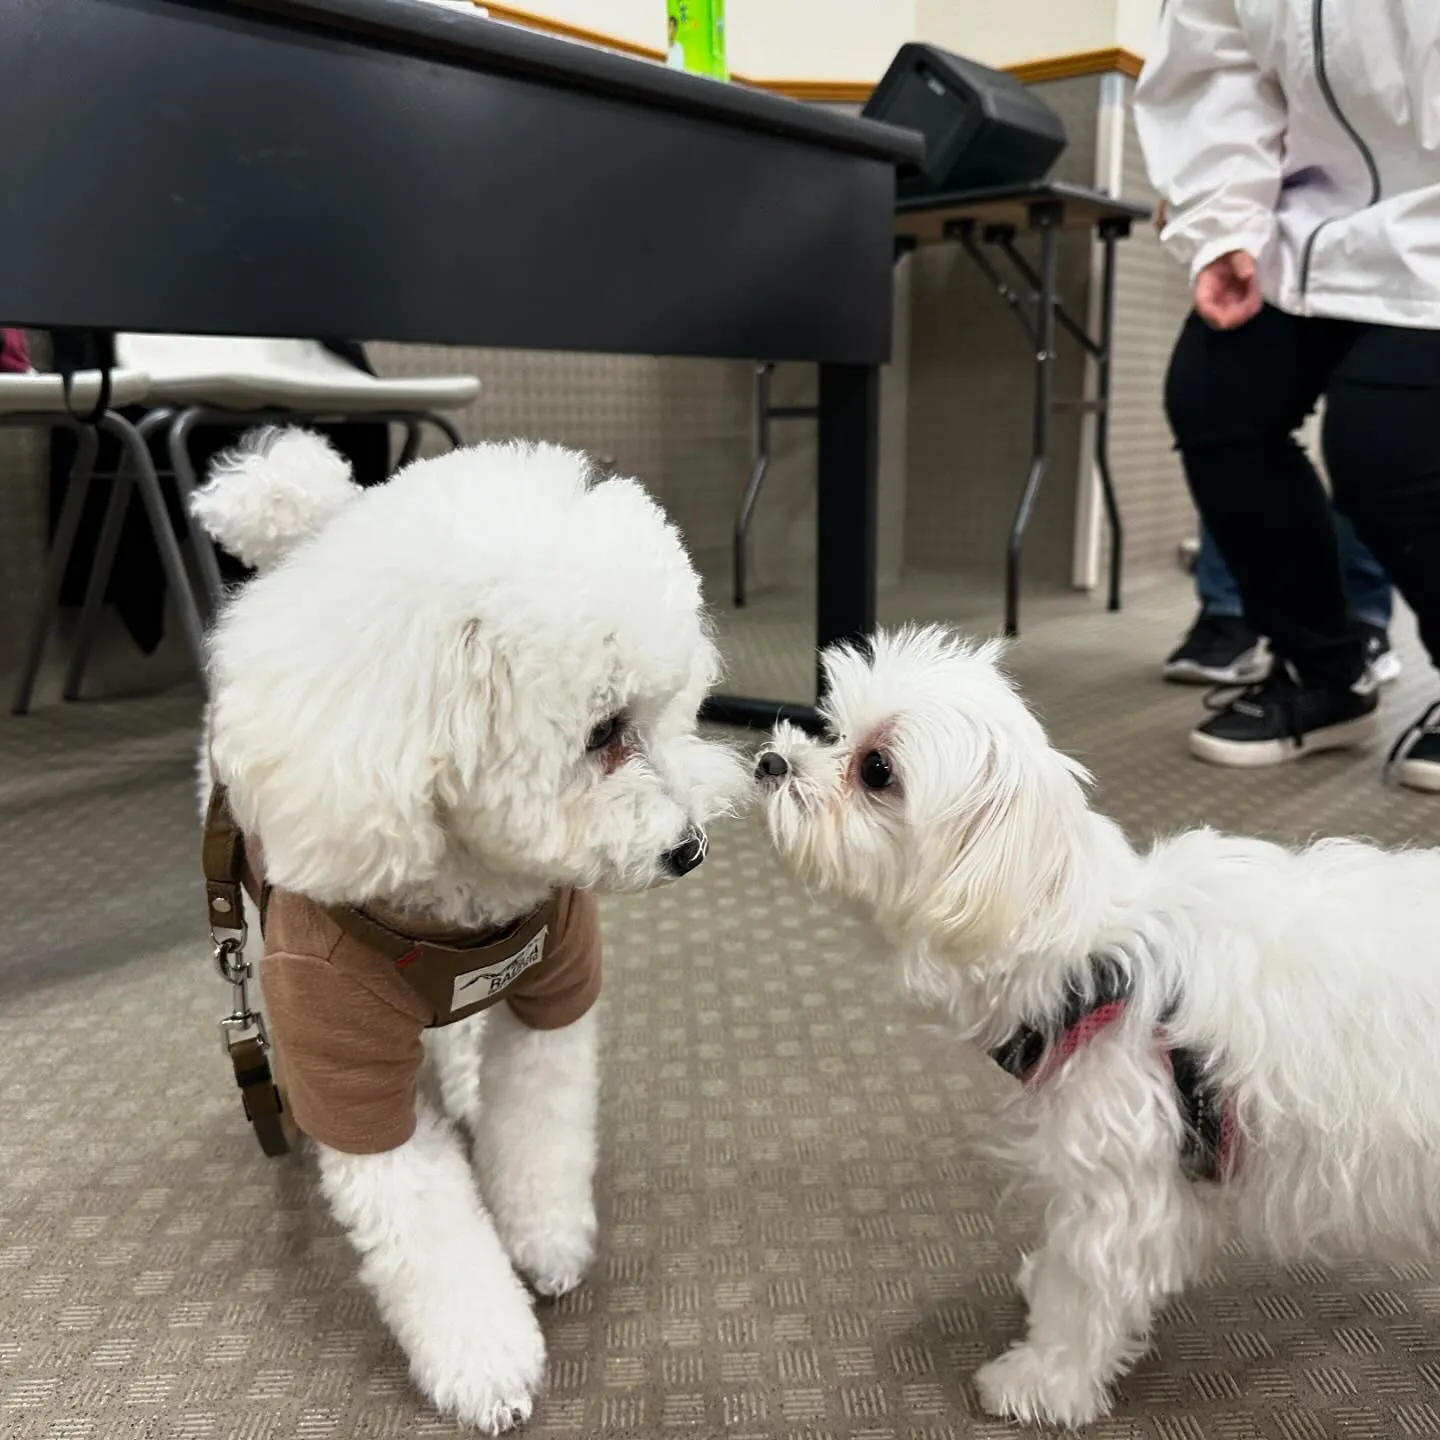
485	1373
553	1249
1023	1385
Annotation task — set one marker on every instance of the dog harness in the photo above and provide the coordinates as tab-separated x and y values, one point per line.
349	992
1033	1053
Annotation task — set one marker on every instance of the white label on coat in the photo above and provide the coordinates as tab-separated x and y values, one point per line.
475	985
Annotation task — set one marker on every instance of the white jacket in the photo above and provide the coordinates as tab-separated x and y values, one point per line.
1306	132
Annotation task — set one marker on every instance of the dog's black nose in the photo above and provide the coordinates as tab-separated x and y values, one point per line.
771	766
687	854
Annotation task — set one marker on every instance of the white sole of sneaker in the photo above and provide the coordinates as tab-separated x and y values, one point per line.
1260	754
1245	671
1419	775
1386	669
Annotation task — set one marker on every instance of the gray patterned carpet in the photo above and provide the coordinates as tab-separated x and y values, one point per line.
797	1239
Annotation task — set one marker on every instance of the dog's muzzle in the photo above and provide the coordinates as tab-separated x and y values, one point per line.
688	853
771	766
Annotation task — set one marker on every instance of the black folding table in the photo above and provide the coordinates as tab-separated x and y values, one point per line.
987	221
395	170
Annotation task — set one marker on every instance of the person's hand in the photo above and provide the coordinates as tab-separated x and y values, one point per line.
1227	293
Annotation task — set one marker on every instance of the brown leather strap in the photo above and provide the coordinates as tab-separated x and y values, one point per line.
443	976
223	859
264	1107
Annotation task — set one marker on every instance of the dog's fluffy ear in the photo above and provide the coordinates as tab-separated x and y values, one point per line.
1016	852
272	492
347	783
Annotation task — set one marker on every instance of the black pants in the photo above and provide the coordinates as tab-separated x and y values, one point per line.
1235	399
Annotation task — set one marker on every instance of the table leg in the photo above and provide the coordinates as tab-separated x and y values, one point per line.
847	527
847	532
1109	238
1040	426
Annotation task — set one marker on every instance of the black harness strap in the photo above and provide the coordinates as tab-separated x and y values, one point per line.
1025	1050
1032	1052
1209	1149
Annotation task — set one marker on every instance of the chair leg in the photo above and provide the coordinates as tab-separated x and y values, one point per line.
411	448
446	426
177	440
171	560
122	486
751	494
63	546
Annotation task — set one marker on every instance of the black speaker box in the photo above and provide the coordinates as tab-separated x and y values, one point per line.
982	128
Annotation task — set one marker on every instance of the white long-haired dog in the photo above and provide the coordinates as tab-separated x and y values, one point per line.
1217	1032
444	699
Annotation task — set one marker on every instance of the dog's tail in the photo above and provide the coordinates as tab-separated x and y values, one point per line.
276	489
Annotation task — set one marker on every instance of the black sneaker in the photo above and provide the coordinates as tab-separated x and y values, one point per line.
1219	650
1384	663
1415	759
1280	719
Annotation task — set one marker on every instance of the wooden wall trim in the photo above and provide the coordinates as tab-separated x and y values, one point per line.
1030	72
832	92
1085	62
567	31
818	92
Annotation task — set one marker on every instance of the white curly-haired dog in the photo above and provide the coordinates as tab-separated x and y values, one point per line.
1216	1032
449	698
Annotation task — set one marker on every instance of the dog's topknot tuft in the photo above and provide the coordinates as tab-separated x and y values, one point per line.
273	491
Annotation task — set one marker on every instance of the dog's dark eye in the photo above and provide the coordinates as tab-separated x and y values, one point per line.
875	771
605	734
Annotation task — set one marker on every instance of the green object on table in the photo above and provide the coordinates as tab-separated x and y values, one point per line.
695	37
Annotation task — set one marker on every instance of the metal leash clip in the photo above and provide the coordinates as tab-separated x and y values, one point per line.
247	1043
234	968
243	1029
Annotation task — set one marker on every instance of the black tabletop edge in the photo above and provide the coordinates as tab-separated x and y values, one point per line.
494	45
1058	190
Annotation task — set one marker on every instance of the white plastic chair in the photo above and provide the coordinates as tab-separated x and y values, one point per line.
217	379
190	380
243	374
37	401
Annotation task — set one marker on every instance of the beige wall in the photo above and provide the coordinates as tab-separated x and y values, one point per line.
642	22
1151	300
816	39
1135	22
856	39
971	372
1007	34
765	39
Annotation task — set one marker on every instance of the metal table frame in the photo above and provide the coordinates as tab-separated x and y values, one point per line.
847	526
1047	210
765	415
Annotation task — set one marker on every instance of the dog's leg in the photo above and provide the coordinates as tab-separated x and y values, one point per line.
441	1278
454	1051
535	1146
1110	1257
